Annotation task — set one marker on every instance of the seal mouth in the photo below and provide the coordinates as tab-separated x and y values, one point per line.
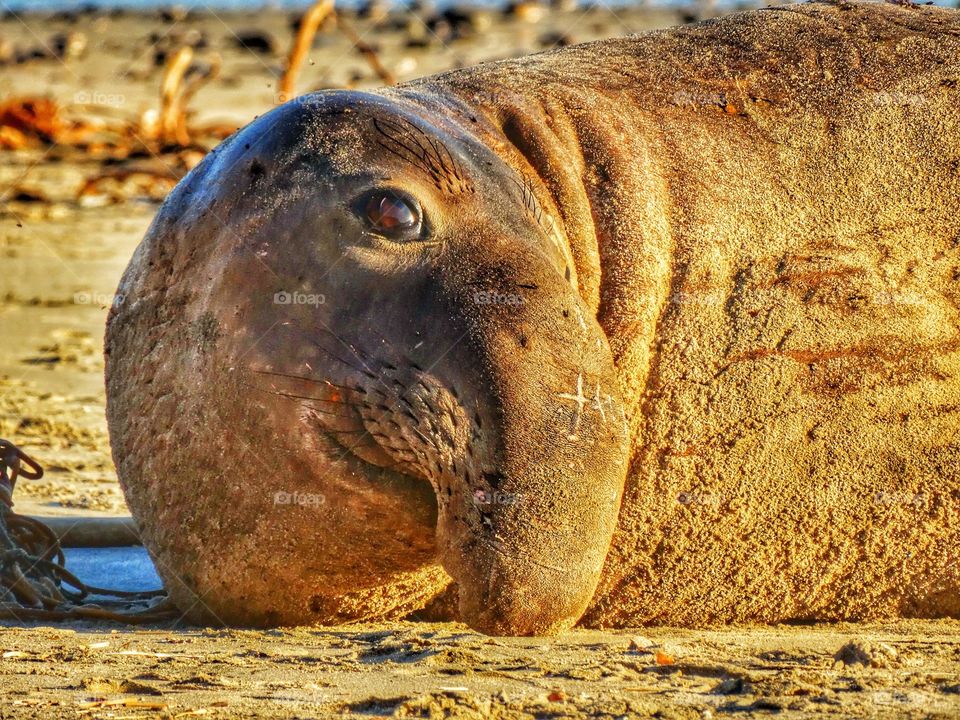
370	468
326	441
338	451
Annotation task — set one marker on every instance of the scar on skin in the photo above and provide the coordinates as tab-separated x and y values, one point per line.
598	404
580	400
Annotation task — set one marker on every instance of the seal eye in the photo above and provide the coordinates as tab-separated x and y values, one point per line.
391	214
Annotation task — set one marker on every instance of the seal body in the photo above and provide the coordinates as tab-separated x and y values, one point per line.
677	339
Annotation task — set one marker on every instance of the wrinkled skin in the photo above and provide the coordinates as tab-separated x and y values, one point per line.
711	271
444	358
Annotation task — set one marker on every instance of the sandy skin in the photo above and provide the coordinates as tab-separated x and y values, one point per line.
327	299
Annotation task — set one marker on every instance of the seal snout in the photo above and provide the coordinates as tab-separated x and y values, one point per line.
526	542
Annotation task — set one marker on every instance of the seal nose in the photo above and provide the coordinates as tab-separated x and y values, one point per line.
522	592
528	560
531	561
505	612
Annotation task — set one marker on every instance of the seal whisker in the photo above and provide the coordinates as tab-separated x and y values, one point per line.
411	132
402	355
363	369
428	155
435	144
403	157
361	355
291	396
304	378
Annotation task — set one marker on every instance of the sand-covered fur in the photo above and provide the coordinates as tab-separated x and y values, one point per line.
759	212
765	209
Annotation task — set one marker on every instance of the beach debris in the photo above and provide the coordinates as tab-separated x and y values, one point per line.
526	10
453	24
145	155
32	121
162	145
641	644
418	36
142	157
63	46
663	658
25	194
376	11
302	42
8	52
255	40
34	581
181	80
37	121
306	29
153	178
731	686
67	45
368	51
174	13
166	44
27	119
867	654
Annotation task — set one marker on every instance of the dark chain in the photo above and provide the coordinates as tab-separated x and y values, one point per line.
34	581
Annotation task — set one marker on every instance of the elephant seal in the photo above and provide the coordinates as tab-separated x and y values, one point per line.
661	329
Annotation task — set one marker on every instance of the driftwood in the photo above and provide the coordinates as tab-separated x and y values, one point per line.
93	531
301	46
309	25
181	80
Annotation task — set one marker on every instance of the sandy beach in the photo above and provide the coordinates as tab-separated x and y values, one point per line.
71	215
437	671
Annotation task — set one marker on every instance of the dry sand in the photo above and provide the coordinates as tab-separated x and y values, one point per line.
418	670
61	260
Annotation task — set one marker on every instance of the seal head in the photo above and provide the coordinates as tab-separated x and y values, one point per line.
388	294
